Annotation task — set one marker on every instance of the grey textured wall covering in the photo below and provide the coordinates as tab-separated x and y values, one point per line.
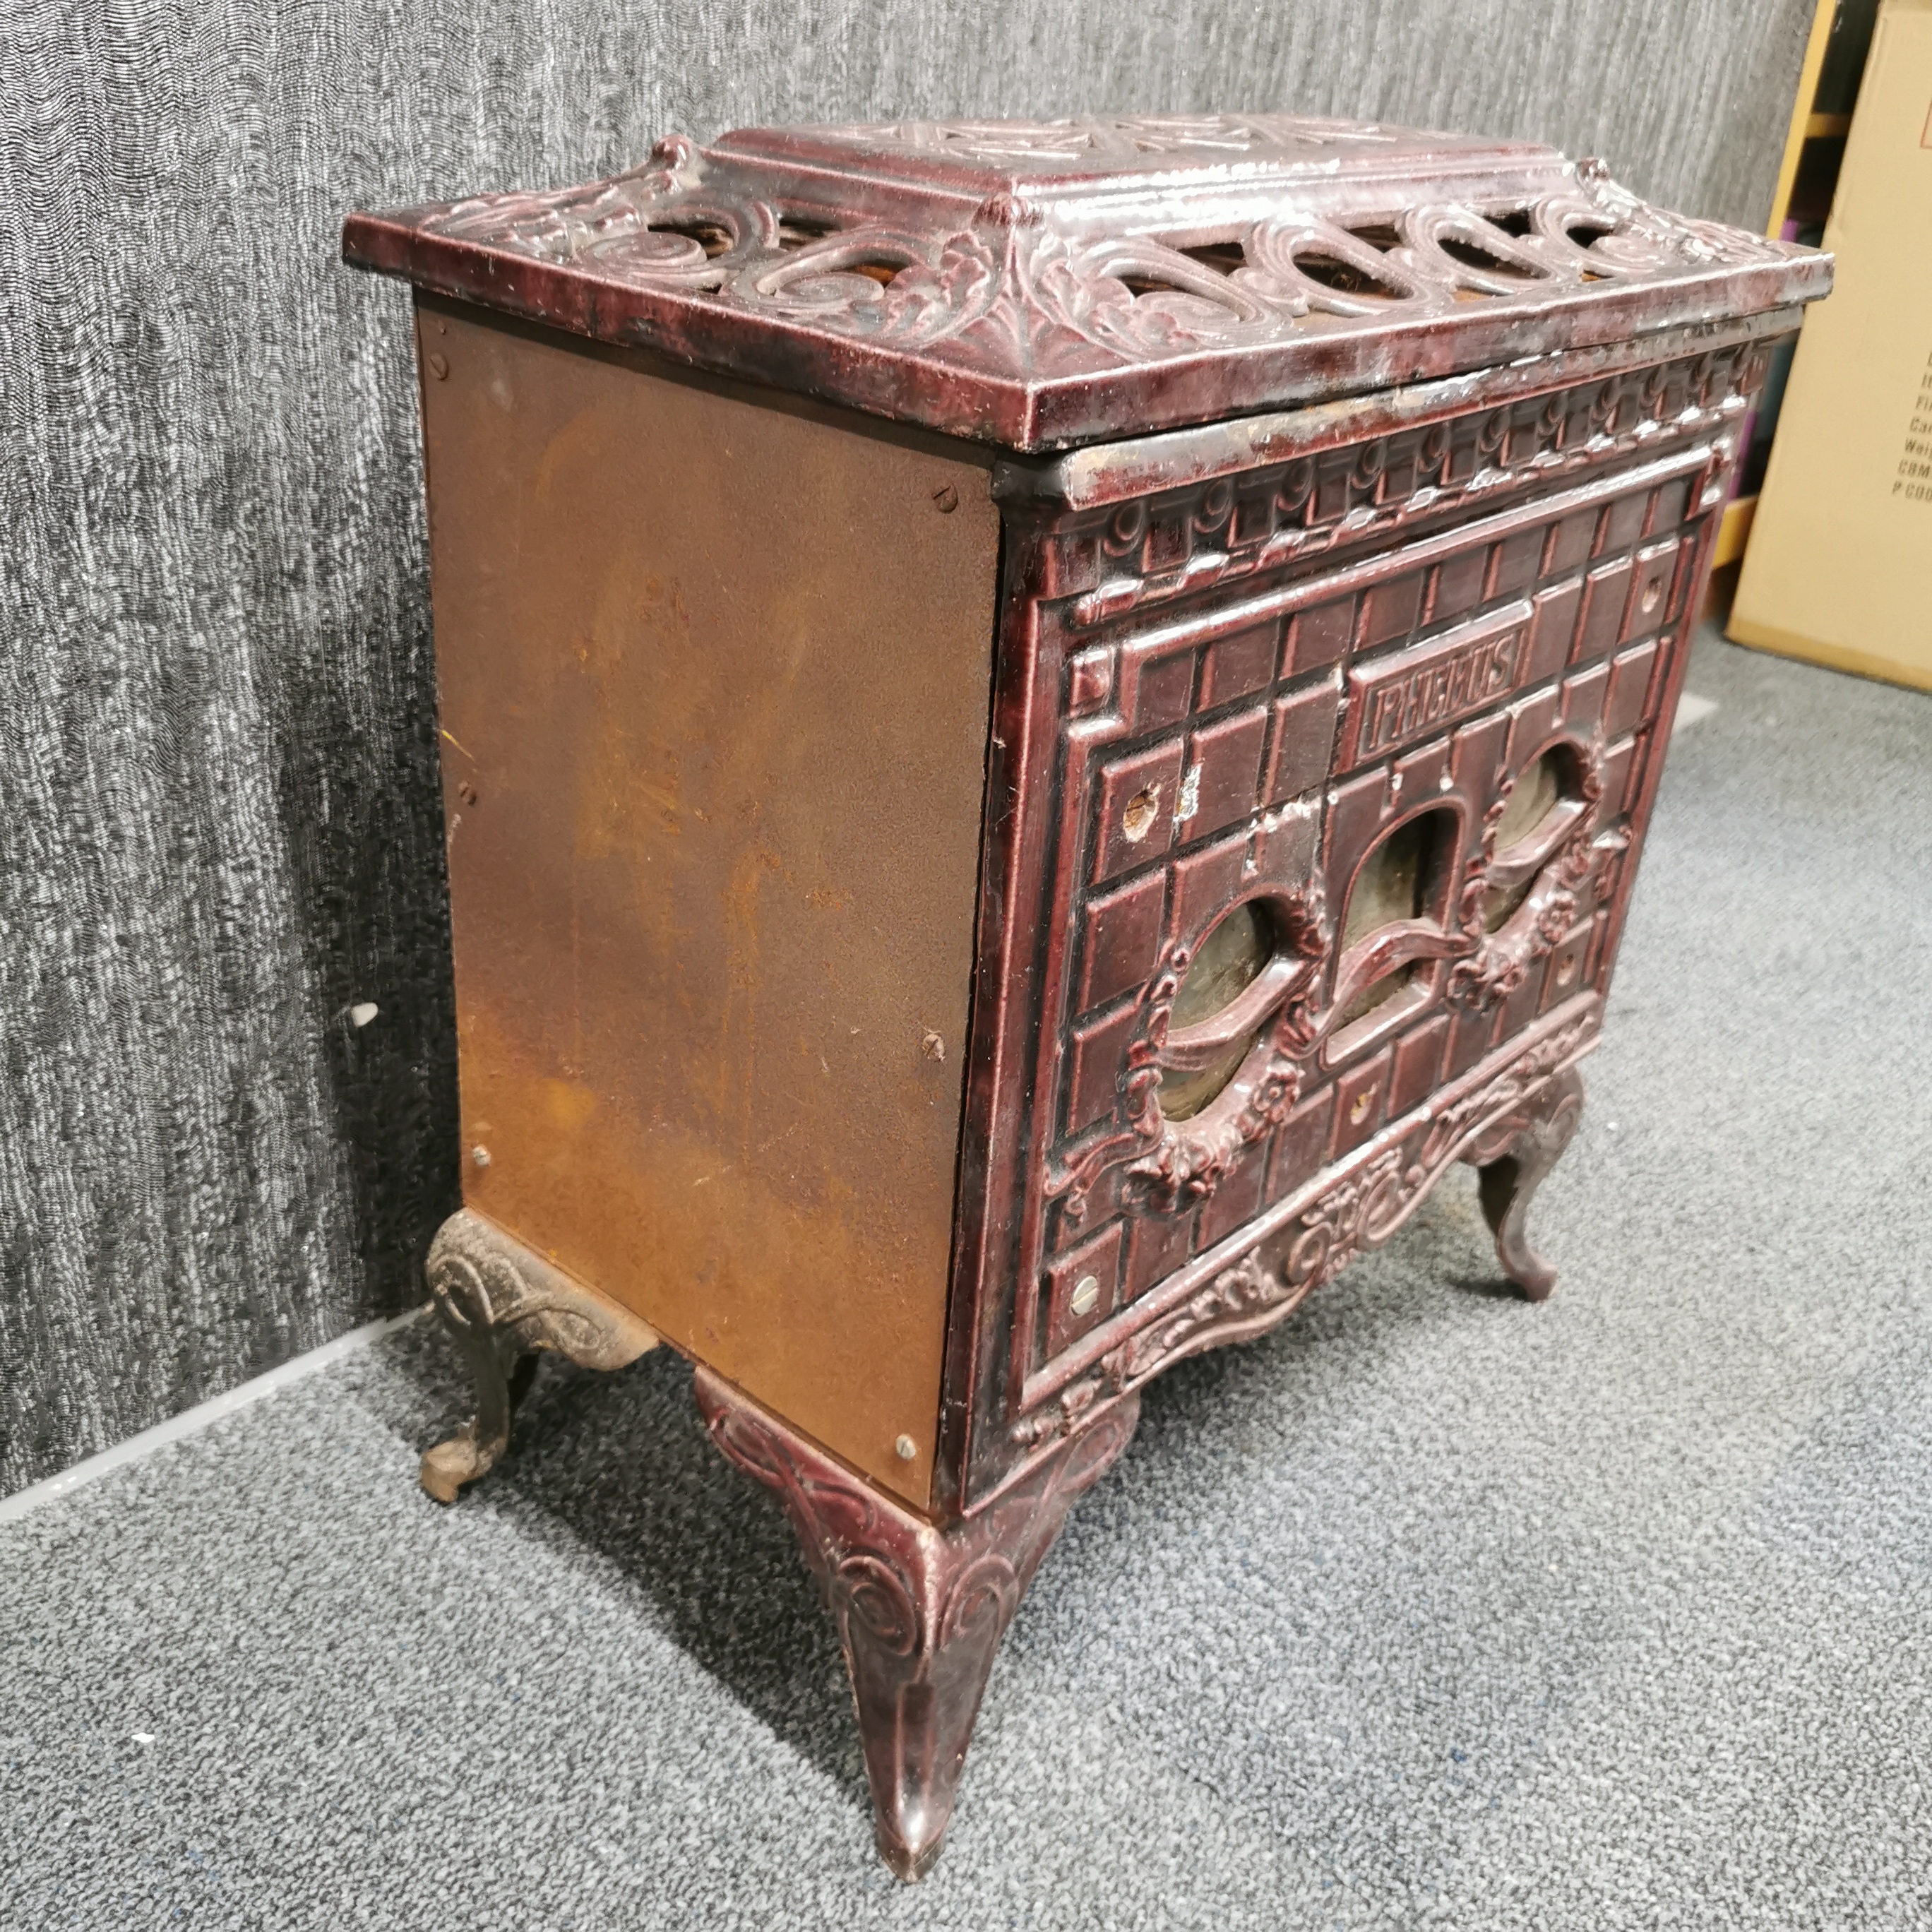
218	815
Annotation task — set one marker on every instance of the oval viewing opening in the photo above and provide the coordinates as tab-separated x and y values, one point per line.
1396	882
1538	792
1534	799
1230	958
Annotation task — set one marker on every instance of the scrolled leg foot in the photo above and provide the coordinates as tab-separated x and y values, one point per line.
502	1303
473	1449
921	1607
1527	1145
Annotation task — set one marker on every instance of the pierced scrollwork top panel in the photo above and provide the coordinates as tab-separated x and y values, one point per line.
1034	284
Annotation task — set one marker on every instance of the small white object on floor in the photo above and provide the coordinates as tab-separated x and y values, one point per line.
364	1011
1690	709
143	1737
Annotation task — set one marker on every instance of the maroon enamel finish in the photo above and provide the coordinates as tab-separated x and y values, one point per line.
1517	1156
1038	285
920	1609
1291	661
1360	597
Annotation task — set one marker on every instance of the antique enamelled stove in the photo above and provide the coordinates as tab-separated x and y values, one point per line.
1041	724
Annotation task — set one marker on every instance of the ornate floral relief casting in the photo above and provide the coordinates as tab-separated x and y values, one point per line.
1171	1165
920	1609
503	1304
1499	961
1175	1163
1360	1211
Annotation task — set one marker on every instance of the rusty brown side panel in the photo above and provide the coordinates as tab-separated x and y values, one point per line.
714	670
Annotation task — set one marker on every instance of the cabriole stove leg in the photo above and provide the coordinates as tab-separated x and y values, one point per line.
920	1608
1507	1181
500	1299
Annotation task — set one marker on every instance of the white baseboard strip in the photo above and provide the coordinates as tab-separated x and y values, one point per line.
193	1421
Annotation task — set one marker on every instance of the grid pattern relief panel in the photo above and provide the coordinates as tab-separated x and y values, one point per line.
1424	750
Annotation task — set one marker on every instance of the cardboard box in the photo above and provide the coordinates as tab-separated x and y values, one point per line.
1840	566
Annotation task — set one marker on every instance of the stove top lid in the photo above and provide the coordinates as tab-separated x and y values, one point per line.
1040	284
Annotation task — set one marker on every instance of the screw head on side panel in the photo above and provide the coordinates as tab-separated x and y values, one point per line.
905	1448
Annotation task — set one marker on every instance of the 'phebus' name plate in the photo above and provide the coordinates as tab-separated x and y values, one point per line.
1416	692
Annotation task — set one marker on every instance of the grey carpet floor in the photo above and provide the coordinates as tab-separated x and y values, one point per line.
1431	1609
